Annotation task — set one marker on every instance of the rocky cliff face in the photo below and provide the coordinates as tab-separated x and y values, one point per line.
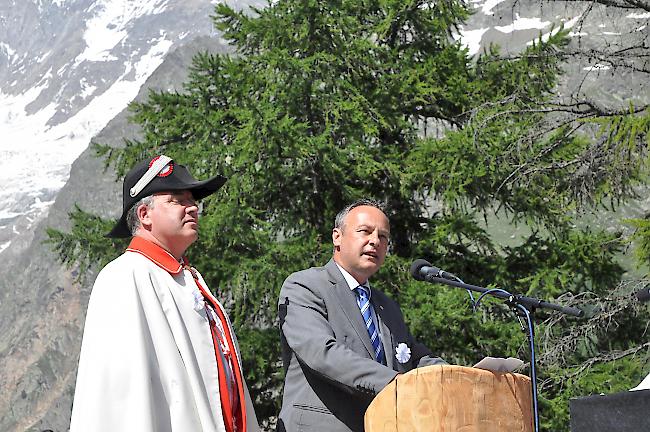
613	69
42	308
67	67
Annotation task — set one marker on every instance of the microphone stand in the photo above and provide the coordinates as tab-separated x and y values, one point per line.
523	306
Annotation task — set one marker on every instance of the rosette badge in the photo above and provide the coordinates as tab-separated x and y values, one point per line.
199	302
402	353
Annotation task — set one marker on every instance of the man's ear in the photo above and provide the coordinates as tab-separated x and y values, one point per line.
336	237
144	216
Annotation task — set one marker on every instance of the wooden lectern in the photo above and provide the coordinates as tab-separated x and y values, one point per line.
453	399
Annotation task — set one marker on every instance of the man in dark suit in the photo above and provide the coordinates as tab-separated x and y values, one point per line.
342	340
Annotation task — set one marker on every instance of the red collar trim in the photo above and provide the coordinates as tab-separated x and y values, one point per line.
156	254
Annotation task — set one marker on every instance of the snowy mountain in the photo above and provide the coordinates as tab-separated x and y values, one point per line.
68	69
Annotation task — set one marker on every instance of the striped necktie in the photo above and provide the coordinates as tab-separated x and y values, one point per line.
363	301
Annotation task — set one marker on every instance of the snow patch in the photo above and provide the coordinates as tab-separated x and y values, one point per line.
45	78
61	69
6	48
488	6
86	89
471	39
566	24
596	67
151	60
43	57
639	15
523	24
36	158
6	215
41	205
110	23
4	246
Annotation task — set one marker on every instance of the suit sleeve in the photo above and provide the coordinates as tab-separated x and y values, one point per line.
309	335
423	356
430	360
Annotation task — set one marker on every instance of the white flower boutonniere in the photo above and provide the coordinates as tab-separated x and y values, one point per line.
199	304
402	353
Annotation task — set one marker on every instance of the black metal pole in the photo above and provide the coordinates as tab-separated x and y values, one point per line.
533	367
526	305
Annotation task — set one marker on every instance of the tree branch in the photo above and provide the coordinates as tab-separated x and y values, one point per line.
621	4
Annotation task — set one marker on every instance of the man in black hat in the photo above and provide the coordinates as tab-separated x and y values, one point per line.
159	352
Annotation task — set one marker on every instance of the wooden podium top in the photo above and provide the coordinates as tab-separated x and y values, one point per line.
453	399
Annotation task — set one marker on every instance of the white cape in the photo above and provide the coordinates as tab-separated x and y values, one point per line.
147	359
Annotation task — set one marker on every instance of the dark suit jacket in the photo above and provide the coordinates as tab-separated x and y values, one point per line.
331	376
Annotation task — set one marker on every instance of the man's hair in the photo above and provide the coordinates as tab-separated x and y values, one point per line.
132	220
339	221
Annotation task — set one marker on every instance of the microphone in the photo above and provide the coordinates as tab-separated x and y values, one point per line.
643	295
422	269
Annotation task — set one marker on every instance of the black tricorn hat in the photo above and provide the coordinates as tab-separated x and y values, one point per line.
159	174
